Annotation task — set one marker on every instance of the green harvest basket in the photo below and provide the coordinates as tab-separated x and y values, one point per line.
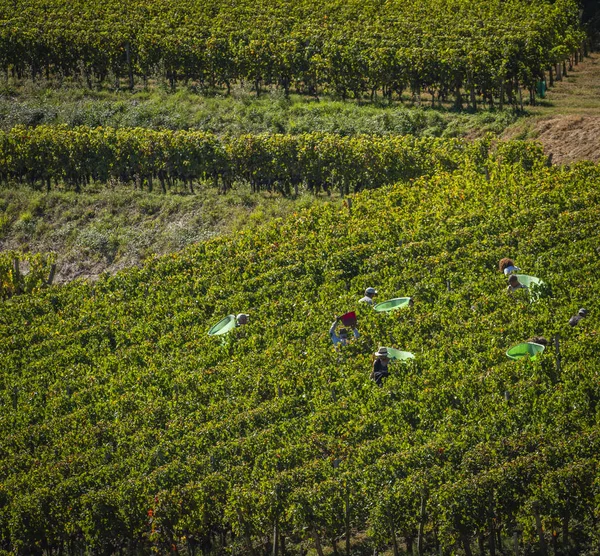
526	349
392	304
541	89
398	355
223	326
533	284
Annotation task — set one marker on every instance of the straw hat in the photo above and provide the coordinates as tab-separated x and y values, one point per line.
381	352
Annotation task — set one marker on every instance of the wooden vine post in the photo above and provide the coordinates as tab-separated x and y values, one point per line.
422	522
51	275
540	530
393	533
492	540
275	551
316	539
347	520
17	276
246	532
129	65
516	532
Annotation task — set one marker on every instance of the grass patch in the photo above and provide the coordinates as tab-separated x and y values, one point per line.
108	229
240	113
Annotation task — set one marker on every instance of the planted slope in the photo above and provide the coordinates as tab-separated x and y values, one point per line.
124	425
348	49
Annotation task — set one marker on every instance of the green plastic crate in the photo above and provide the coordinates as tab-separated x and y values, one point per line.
534	285
392	304
398	355
223	326
526	349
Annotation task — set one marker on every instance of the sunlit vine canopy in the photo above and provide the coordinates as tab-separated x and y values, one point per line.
345	48
124	426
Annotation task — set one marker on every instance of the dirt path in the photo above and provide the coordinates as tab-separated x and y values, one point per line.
567	121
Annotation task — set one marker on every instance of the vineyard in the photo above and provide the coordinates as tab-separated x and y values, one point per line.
125	428
49	155
465	51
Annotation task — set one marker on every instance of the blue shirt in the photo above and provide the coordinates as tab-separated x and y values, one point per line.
336	339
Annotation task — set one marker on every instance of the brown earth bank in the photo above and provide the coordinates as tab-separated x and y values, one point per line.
567	121
109	229
570	138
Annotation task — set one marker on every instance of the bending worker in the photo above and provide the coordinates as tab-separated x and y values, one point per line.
380	366
574	320
514	284
342	337
370	293
507	266
241	319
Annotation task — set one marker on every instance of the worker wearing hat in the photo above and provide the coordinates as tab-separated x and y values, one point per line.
370	293
241	319
380	366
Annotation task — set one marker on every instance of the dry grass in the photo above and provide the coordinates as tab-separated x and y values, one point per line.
567	122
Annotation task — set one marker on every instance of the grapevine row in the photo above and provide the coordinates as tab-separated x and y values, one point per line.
446	49
49	155
23	273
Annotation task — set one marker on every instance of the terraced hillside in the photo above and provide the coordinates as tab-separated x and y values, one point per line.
126	428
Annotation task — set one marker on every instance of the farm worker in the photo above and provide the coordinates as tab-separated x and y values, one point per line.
370	293
507	266
514	284
380	366
241	319
539	340
574	320
342	337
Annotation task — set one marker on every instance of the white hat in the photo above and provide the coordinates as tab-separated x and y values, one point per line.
583	312
381	352
370	291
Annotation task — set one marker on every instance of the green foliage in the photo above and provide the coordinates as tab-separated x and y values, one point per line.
283	163
16	279
125	427
239	114
347	49
109	228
